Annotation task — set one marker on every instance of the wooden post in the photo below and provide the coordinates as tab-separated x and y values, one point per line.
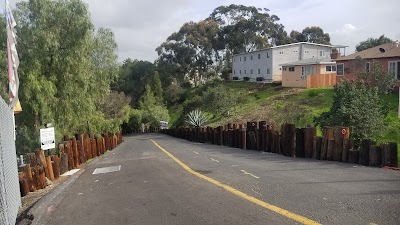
104	144
389	154
309	135
26	169
364	152
243	137
23	184
42	176
67	146
330	149
63	159
340	133
328	135
289	140
262	131
94	147
36	177
41	159
237	136
375	156
275	145
300	142
107	144
220	135
317	142
56	166
81	149
270	129
50	168
353	156
75	153
88	148
251	137
347	145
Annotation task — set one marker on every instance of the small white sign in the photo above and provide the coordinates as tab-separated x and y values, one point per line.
47	138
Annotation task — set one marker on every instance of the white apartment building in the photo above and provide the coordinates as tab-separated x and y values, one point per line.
264	65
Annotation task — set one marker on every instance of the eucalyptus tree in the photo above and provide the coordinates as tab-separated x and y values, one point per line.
190	50
66	65
247	28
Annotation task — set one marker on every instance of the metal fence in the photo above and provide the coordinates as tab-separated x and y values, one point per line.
10	199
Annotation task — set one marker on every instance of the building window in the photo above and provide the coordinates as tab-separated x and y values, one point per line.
251	57
251	71
245	71
328	68
267	70
259	71
291	69
259	56
367	67
267	54
295	51
394	68
240	71
306	52
281	52
245	58
284	68
240	58
303	72
340	69
234	72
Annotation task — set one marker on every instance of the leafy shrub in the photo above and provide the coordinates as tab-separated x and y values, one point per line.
134	123
220	99
196	118
357	106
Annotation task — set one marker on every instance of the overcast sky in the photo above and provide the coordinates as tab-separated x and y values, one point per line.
140	26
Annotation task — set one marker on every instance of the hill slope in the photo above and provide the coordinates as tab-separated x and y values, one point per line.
277	105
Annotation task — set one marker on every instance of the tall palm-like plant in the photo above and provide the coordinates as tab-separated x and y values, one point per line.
196	118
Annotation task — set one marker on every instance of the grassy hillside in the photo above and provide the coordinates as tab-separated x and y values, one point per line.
278	105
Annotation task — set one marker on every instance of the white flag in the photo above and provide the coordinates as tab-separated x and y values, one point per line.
13	61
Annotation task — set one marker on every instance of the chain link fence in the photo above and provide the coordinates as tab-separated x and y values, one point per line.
10	199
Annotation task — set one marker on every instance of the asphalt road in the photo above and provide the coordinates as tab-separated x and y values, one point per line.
152	188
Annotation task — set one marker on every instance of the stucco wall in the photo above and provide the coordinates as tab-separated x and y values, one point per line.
321	78
293	79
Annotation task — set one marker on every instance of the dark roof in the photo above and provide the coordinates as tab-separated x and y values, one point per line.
391	50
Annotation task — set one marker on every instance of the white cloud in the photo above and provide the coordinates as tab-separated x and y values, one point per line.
348	27
142	25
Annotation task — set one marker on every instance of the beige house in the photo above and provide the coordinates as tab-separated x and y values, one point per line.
309	73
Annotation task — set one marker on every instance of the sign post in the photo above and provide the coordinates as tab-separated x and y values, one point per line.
47	138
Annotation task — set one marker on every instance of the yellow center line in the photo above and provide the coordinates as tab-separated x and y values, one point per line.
252	199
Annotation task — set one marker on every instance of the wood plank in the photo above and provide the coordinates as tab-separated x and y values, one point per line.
50	168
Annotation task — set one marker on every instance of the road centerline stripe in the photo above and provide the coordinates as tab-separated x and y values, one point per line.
247	173
214	160
245	196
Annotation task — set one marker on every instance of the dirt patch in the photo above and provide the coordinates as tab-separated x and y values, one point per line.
29	200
